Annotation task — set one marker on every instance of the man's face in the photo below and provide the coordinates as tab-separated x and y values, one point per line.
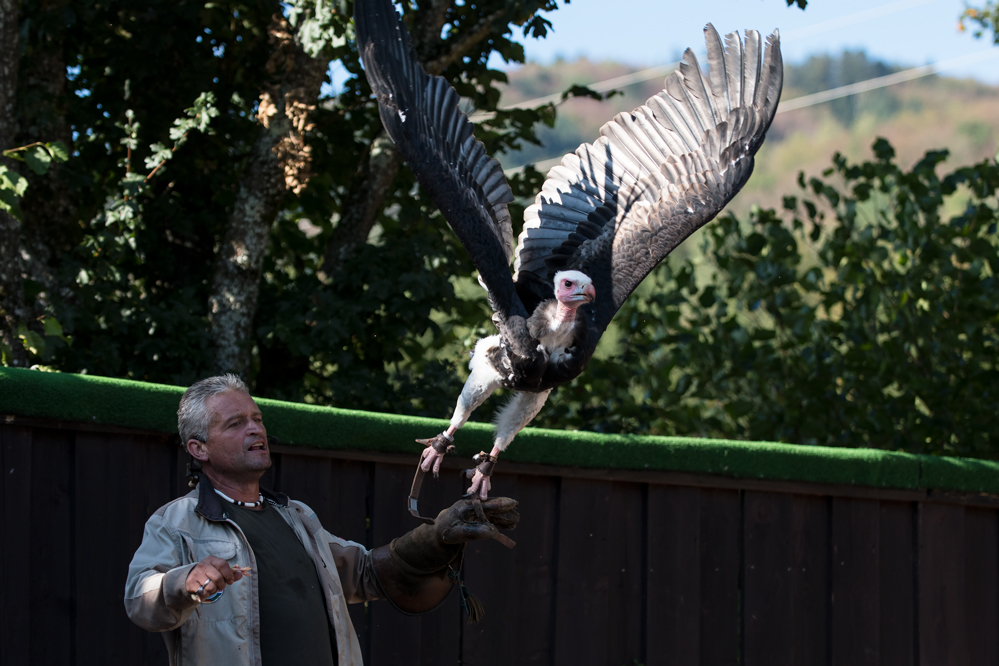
237	440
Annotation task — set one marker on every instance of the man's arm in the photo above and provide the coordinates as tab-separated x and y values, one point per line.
156	596
163	587
412	571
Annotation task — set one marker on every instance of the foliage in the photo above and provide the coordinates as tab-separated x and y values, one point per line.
129	265
39	157
983	19
863	314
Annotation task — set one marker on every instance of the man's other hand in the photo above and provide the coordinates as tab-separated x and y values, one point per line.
211	575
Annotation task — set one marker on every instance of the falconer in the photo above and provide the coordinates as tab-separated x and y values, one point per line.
234	574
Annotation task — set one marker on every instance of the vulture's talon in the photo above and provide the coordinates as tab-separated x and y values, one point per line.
432	456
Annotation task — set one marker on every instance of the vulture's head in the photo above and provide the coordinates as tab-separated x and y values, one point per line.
573	288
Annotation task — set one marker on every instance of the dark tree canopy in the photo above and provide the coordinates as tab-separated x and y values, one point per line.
217	206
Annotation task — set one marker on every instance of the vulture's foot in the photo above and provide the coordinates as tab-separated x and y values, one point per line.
481	483
433	455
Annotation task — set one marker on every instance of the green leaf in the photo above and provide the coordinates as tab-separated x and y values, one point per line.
12	181
38	159
33	342
52	326
10	204
58	151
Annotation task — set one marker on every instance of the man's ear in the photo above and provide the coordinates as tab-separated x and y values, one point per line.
197	449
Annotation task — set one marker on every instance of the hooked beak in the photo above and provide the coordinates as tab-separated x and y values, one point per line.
588	293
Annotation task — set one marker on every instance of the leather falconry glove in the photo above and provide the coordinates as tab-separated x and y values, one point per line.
415	569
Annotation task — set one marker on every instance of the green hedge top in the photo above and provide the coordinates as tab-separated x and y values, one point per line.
154	407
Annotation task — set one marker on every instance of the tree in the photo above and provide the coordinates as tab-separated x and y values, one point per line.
983	19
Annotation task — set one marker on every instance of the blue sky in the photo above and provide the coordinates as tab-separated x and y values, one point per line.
655	32
647	33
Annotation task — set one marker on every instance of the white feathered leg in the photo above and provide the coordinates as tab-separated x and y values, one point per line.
481	383
512	418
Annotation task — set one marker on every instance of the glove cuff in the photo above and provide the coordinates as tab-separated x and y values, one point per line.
413	569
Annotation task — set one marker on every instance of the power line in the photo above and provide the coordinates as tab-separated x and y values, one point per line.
663	70
884	81
837	93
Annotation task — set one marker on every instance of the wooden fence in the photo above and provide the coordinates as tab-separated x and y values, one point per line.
610	568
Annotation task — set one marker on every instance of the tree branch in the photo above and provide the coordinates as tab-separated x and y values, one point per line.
279	162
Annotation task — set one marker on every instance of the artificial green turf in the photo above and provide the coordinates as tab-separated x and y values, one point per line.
154	406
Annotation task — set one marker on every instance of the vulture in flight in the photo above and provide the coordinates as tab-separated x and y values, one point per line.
605	217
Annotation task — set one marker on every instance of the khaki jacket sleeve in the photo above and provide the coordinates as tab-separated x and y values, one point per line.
156	596
355	566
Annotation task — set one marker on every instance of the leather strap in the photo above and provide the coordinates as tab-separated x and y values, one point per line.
414	495
443	445
486	463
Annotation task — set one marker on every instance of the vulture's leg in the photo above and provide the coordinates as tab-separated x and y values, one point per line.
512	418
480	384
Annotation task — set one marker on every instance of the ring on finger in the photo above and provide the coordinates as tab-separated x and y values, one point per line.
203	586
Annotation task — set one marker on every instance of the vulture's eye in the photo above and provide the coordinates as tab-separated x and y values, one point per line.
568	284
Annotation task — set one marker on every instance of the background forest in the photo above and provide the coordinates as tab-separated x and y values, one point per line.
181	195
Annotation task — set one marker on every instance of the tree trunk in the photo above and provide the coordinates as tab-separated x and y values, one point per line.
12	307
279	162
373	180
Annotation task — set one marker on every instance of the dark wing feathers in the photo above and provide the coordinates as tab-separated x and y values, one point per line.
420	113
656	174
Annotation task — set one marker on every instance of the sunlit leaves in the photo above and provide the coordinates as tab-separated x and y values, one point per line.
863	315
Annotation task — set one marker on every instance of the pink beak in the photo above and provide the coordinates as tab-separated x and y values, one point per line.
589	293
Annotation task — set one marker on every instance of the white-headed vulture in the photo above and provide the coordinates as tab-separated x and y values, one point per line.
605	217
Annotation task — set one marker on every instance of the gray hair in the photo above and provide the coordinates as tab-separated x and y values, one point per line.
193	416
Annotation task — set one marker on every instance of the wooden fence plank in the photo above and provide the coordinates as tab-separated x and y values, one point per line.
856	565
489	570
673	576
721	566
103	546
583	579
809	577
351	497
981	532
51	547
626	570
536	569
942	586
768	606
310	480
15	553
896	576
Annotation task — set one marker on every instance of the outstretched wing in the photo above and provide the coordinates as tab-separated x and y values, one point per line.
616	208
420	112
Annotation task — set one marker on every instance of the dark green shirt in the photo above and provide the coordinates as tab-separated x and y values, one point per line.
294	628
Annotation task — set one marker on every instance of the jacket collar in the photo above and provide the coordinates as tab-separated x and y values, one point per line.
210	504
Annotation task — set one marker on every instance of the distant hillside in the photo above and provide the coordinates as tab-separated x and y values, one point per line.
930	113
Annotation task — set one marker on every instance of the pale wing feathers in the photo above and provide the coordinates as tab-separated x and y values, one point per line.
656	174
